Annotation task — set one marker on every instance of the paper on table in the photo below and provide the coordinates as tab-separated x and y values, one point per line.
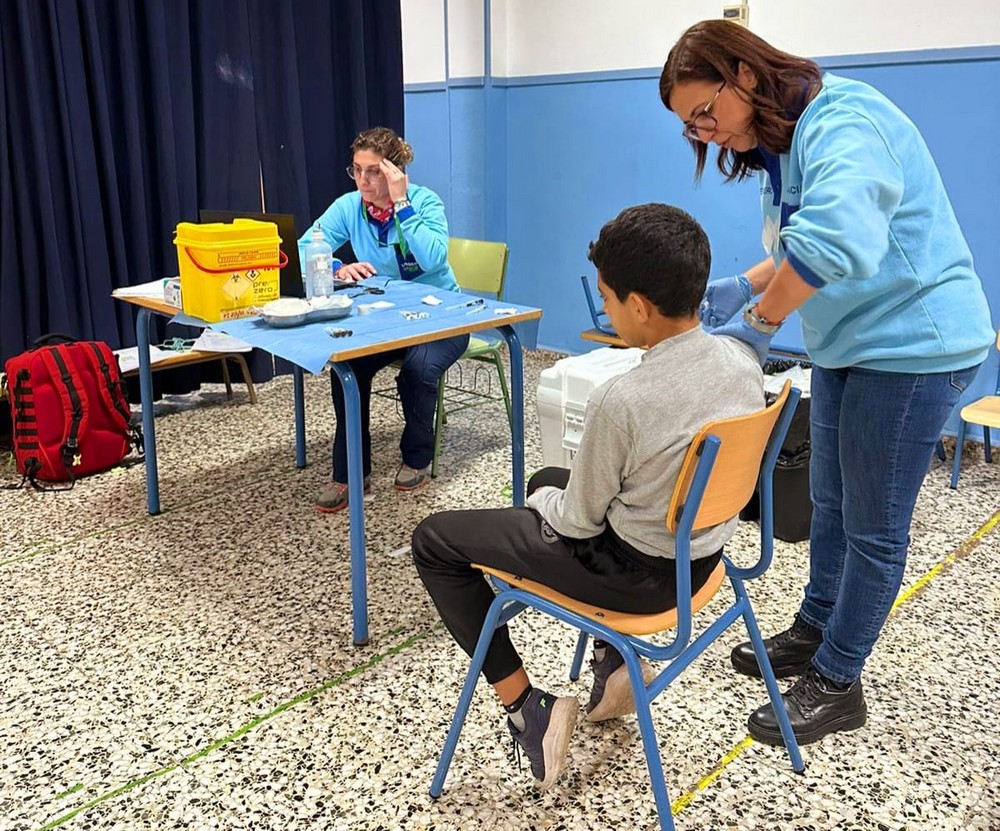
128	358
211	341
152	290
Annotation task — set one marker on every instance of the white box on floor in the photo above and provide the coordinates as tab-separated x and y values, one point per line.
563	390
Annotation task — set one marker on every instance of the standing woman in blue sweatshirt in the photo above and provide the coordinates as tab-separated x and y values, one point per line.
863	242
398	230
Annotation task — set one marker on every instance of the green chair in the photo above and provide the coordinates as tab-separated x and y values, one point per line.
480	268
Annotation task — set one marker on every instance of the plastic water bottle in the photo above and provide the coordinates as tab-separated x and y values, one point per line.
319	266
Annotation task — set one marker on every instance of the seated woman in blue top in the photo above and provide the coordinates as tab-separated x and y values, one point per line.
397	230
863	242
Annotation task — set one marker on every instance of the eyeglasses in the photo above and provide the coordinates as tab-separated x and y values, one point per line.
370	175
704	121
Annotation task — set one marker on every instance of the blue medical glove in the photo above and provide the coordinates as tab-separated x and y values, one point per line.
723	299
738	328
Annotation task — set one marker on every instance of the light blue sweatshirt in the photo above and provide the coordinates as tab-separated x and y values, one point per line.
858	208
415	248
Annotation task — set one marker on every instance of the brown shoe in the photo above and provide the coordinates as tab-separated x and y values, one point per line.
409	478
335	497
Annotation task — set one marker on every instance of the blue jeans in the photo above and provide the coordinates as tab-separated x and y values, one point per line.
873	434
423	365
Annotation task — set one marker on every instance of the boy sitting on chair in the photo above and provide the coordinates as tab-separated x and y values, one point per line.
598	533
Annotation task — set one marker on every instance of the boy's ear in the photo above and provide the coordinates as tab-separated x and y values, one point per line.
641	306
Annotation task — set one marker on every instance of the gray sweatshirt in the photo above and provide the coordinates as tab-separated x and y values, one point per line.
637	429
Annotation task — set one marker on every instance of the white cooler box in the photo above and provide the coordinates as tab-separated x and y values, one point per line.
563	390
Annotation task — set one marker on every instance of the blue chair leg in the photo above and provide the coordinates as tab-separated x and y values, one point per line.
438	427
649	743
987	444
501	374
959	444
791	744
465	699
581	650
939	449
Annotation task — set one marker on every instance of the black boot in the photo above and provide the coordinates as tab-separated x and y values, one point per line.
790	651
816	706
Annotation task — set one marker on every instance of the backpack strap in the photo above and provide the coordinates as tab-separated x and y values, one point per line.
70	446
115	394
23	411
116	399
31	468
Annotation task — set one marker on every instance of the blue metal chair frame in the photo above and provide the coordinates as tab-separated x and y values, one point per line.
598	317
511	601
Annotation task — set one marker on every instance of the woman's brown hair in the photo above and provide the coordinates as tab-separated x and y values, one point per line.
713	51
386	143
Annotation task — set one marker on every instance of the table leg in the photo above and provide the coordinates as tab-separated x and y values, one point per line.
146	398
298	386
356	495
516	411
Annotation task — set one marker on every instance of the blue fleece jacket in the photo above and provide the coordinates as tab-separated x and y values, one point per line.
413	245
858	208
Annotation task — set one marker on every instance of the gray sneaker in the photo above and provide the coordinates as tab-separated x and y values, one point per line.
611	694
548	725
410	478
335	497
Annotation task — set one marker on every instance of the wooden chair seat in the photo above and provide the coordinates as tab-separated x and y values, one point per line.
985	411
627	624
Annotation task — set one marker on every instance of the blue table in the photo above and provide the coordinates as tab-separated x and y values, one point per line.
310	348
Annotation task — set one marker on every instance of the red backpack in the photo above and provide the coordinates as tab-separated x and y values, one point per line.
70	411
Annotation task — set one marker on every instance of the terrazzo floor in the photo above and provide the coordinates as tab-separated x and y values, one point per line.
195	669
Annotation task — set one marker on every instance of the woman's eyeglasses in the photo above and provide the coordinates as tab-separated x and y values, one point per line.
357	173
704	122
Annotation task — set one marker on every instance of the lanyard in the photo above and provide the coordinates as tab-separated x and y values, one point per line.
399	231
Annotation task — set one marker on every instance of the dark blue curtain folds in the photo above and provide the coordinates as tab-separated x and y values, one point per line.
121	118
311	108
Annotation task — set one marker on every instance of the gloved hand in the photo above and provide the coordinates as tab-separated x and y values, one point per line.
738	328
723	299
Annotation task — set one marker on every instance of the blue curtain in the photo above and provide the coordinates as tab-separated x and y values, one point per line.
120	118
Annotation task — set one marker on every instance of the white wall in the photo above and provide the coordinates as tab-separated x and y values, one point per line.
466	54
852	27
558	36
544	37
424	40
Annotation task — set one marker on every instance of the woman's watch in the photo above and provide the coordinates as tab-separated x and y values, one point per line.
760	324
399	204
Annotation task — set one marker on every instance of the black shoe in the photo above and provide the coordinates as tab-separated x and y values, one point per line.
790	651
815	706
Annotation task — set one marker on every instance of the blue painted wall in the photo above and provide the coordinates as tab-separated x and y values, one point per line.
460	155
543	164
